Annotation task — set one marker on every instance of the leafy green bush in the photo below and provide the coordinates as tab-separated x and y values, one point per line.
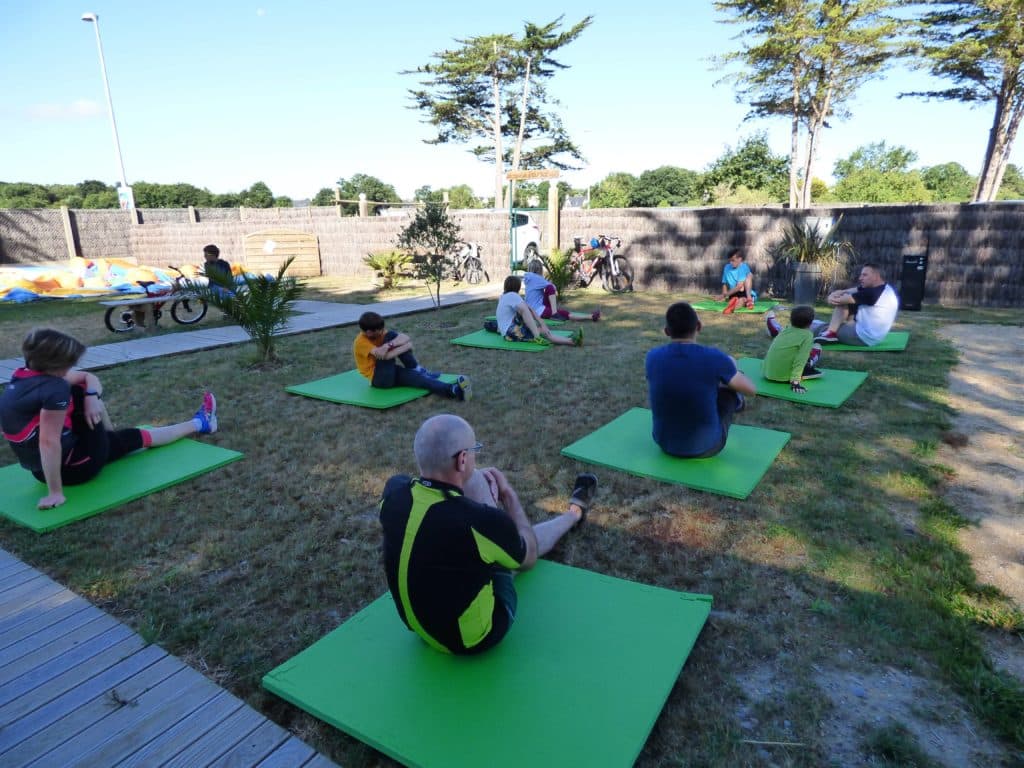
261	304
434	232
390	266
806	243
560	271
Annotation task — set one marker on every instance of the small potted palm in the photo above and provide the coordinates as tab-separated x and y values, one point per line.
818	257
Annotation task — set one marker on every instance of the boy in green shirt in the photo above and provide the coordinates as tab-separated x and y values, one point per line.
793	354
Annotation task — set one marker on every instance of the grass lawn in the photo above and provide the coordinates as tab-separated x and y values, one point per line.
843	560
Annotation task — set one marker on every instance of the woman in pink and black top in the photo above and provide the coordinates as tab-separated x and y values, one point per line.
54	419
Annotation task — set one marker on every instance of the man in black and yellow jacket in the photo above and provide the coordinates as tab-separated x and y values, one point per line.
454	536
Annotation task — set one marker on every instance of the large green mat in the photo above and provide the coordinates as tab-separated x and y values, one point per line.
352	388
895	341
626	443
710	305
579	679
125	480
488	340
830	391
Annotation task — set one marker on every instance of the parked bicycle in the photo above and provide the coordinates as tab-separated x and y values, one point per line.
598	258
186	308
468	265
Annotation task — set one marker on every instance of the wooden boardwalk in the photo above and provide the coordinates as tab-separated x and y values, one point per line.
78	688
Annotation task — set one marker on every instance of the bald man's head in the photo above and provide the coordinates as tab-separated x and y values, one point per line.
438	440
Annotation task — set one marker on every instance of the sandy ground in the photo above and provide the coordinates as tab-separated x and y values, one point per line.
987	390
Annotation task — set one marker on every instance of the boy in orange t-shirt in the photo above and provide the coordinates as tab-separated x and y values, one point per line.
387	360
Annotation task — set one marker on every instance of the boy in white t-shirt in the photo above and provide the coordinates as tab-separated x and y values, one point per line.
518	322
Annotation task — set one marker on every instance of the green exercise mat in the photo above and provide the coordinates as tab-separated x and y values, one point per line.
831	390
710	305
895	341
626	443
118	483
549	321
352	388
579	680
488	340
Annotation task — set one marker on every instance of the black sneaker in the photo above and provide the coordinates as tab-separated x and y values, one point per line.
810	372
583	493
741	403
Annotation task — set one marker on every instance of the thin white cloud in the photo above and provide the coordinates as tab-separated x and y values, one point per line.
76	110
261	11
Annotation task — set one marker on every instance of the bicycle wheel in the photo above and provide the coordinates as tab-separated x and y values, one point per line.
624	280
188	311
120	319
475	272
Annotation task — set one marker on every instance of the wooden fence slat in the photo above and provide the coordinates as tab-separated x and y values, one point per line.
73	677
69	702
186	731
215	743
254	747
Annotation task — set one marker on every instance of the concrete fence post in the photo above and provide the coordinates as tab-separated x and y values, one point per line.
364	209
69	232
553	216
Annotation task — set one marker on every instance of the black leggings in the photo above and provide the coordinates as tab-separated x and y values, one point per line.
92	449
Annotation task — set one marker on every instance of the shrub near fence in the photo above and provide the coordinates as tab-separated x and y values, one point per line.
976	252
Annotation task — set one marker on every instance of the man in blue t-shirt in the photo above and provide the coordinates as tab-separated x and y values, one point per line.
694	390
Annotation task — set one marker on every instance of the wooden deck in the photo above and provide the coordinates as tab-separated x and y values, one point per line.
78	688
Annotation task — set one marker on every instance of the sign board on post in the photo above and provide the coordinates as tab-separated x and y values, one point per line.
126	198
541	173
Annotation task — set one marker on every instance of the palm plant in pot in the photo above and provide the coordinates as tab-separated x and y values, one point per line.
819	258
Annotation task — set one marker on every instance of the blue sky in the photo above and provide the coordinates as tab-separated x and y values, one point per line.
298	94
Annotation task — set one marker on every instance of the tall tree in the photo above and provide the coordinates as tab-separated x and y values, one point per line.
752	165
493	89
949	182
979	46
324	197
376	191
804	59
665	186
878	173
257	196
614	191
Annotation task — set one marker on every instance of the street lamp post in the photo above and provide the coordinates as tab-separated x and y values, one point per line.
124	193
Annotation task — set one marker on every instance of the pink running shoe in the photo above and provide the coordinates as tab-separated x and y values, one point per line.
206	416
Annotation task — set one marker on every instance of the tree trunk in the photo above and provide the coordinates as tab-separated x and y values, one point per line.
517	152
794	141
813	130
499	150
986	189
1011	136
1005	122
